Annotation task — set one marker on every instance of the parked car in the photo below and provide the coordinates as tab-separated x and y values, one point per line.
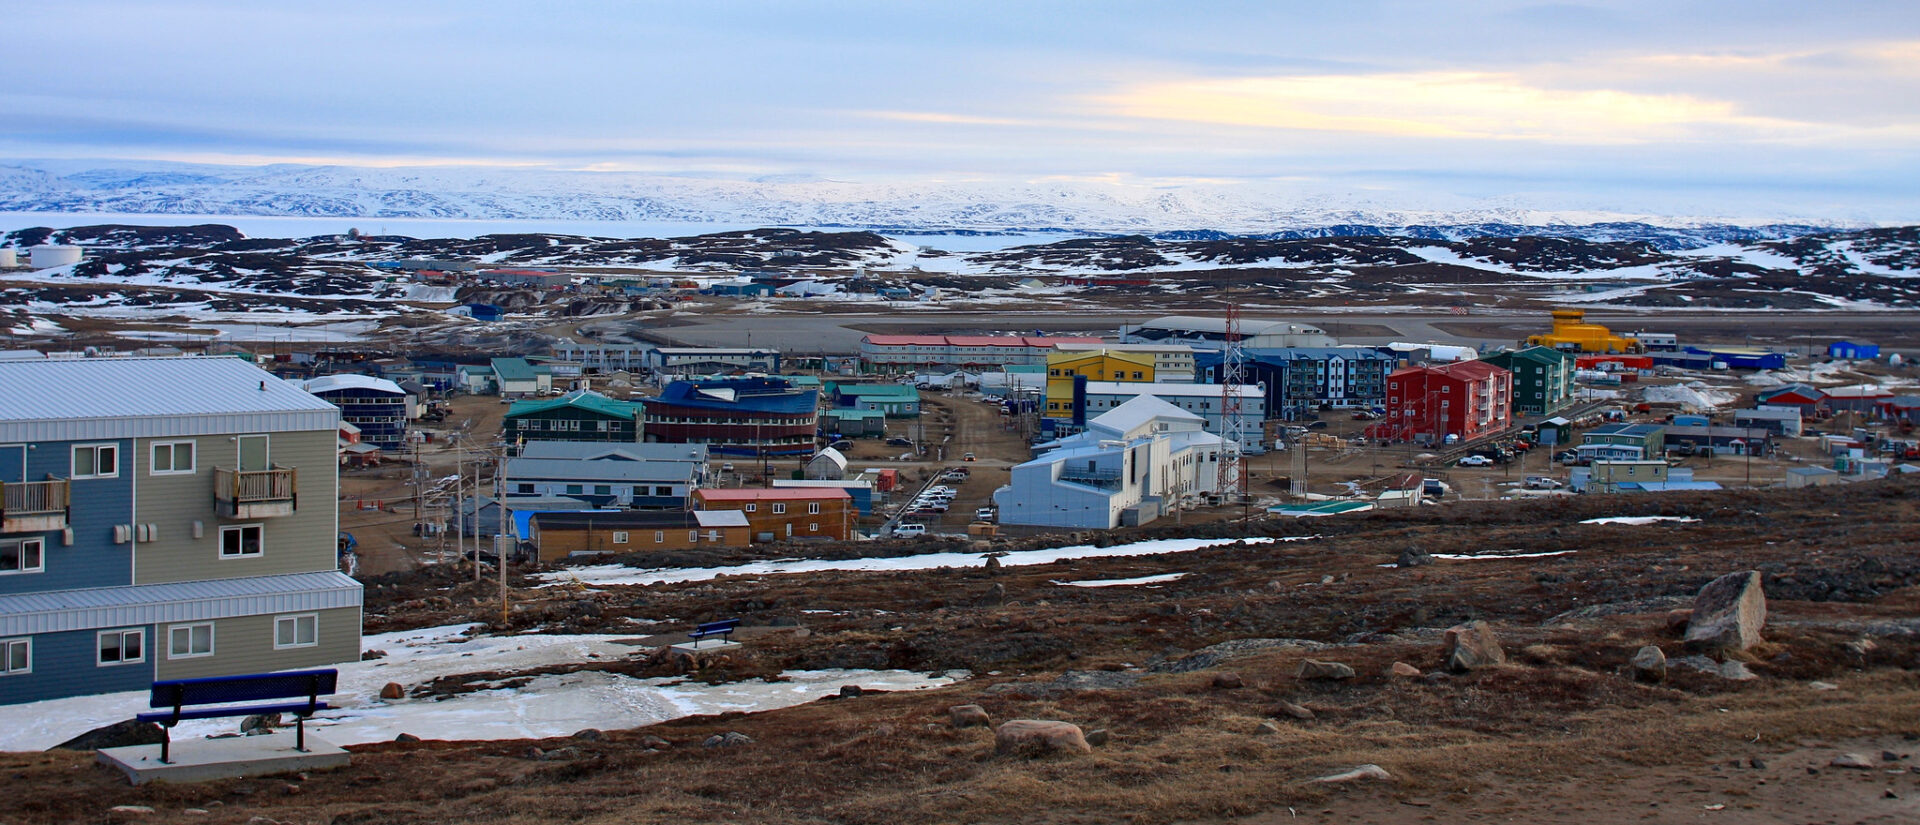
1543	483
842	445
1475	461
968	457
898	441
983	514
905	530
1317	425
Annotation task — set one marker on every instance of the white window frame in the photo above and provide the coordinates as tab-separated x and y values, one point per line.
112	472
751	507
40	555
173	454
312	620
99	650
659	537
7	646
174	630
260	547
779	508
813	508
621	536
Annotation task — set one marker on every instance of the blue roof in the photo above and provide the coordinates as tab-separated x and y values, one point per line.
768	395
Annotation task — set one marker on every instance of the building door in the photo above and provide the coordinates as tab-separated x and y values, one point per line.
253	453
13	463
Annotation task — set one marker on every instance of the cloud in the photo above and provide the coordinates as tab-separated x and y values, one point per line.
945	118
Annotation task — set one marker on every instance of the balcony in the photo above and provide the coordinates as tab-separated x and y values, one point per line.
1091	476
255	493
34	506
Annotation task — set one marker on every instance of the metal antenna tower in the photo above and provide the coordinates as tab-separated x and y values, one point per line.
1233	423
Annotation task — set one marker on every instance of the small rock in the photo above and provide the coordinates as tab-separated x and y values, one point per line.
561	754
730	739
1227	681
1041	736
849	691
968	716
1402	670
1728	613
1889	756
130	810
1677	621
1326	580
1316	669
261	820
373	655
1098	737
1823	686
654	742
1757	763
1736	671
1471	646
1851	761
260	723
116	735
196	811
1649	664
392	690
995	595
1860	647
1359	774
1266	729
1296	711
533	753
290	789
406	737
1414	557
590	735
1891	795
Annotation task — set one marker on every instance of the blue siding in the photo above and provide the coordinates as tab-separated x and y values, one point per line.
381	416
97	505
67	664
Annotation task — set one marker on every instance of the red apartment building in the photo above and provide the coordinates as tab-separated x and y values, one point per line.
1467	399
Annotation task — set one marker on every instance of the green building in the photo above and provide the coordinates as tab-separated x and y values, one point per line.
1542	379
580	415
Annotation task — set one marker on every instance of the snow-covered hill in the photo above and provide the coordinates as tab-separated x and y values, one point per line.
1186	212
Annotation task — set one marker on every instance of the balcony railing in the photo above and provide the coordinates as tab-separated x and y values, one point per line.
256	493
33	506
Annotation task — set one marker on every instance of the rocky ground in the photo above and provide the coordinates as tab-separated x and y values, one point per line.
1220	696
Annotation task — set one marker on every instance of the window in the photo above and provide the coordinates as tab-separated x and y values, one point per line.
813	508
779	508
186	641
122	647
619	537
23	556
574	489
171	457
752	508
16	656
526	489
813	527
293	631
241	541
693	536
663	490
659	537
96	461
603	489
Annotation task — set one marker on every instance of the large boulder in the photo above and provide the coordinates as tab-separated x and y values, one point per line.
116	735
1414	557
968	716
1729	613
1472	646
1036	736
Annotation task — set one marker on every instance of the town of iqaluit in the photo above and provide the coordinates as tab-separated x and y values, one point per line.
1248	413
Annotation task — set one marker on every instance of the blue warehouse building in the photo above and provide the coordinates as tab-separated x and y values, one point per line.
380	408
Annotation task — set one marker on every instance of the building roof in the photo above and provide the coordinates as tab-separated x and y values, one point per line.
770	494
349	381
894	392
1138	411
1627	429
838	458
1782	415
1806	391
578	399
1859	391
513	369
1904	402
64	610
767	395
843	414
720	518
567	469
1538	354
73	398
1171	390
1811	471
614	519
613	451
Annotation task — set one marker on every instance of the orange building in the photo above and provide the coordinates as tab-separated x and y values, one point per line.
783	513
555	536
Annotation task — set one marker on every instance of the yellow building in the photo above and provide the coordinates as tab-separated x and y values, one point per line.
1094	365
1572	333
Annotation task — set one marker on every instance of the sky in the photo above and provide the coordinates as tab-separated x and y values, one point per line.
1630	102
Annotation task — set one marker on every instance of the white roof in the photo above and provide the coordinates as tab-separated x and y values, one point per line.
1138	412
82	398
720	518
1167	389
349	381
832	455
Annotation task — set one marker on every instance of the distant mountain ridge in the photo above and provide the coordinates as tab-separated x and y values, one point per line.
1194	212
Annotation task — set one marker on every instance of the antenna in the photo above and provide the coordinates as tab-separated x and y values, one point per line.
1233	423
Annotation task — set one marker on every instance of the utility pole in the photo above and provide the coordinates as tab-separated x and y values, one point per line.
500	516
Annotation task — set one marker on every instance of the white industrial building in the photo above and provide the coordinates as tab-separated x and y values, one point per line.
1132	464
1172	363
1211	333
1203	400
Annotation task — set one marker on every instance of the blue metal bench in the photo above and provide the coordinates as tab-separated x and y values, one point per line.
179	694
723	629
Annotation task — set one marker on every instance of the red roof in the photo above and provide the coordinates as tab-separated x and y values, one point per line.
773	494
1469	370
